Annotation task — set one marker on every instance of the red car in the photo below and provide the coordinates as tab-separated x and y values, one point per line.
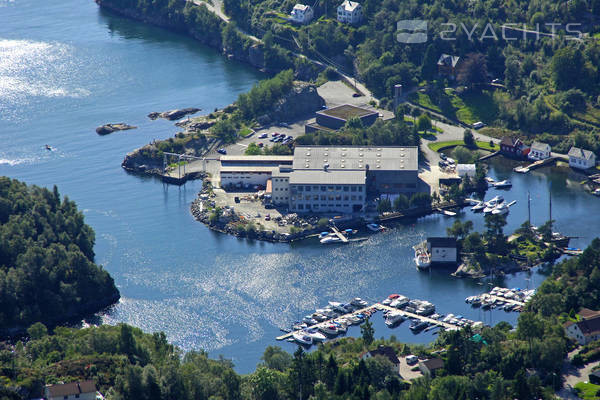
260	144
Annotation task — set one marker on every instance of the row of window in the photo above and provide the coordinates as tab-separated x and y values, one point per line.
324	188
282	189
326	198
324	207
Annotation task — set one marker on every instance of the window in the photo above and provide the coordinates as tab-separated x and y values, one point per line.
353	189
360	188
301	206
323	188
300	188
308	188
346	188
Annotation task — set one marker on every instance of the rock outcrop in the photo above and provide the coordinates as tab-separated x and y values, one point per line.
302	101
110	128
173	115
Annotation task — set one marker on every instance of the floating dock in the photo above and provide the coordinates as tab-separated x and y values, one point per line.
339	234
534	165
380	307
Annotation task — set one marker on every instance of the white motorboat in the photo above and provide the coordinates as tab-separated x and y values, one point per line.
394	318
375	227
315	335
330	240
503	184
329	329
302	338
399	302
494	201
596	192
353	319
339	307
422	258
341	326
309	320
500	209
358	302
478	207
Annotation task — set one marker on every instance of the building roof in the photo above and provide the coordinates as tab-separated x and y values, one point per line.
347	111
328	177
387	352
356	158
442	242
540	146
448	60
510	141
590	326
69	389
581	153
586	313
349	5
433	363
256	158
301	7
251	168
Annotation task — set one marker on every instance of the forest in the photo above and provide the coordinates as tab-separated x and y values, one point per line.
47	270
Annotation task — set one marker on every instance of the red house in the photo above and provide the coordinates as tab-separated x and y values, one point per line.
513	147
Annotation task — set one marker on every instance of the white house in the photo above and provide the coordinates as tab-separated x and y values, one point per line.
349	12
302	14
85	390
585	331
539	151
443	250
280	184
581	159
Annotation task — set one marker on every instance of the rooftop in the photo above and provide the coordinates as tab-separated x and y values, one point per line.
580	153
387	352
540	146
347	111
433	363
349	5
256	158
356	158
69	389
250	168
328	177
442	241
301	7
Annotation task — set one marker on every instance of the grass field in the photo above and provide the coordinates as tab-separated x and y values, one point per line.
587	391
245	131
439	146
468	107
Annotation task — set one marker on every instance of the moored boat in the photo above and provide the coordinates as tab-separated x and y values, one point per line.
302	338
375	227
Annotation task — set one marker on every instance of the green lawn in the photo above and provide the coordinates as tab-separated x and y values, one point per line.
423	100
468	107
439	146
587	391
473	106
245	131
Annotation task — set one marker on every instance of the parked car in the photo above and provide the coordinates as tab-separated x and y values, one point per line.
260	144
478	125
356	95
269	206
274	134
263	136
273	139
443	156
222	151
411	359
285	124
268	217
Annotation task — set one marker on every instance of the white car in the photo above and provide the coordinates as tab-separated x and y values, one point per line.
411	359
478	125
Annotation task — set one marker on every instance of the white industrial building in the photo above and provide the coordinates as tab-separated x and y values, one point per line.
349	12
324	179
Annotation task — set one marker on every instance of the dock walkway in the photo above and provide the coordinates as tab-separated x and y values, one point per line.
504	299
379	307
339	234
536	164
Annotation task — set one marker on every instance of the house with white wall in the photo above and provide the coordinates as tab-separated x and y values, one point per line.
85	390
349	12
581	159
539	151
587	329
302	14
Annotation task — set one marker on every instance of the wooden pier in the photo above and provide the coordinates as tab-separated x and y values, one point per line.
534	165
339	234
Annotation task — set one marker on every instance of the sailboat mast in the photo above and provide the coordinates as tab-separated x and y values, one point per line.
550	197
529	208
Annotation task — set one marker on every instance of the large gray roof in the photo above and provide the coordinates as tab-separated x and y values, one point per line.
328	177
574	152
344	158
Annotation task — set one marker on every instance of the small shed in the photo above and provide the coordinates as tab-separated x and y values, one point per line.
431	365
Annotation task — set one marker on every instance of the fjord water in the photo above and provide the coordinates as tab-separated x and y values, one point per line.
67	67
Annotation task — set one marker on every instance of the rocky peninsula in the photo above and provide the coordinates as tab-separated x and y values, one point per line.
110	128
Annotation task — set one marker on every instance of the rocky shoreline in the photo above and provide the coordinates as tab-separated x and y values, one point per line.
173	115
